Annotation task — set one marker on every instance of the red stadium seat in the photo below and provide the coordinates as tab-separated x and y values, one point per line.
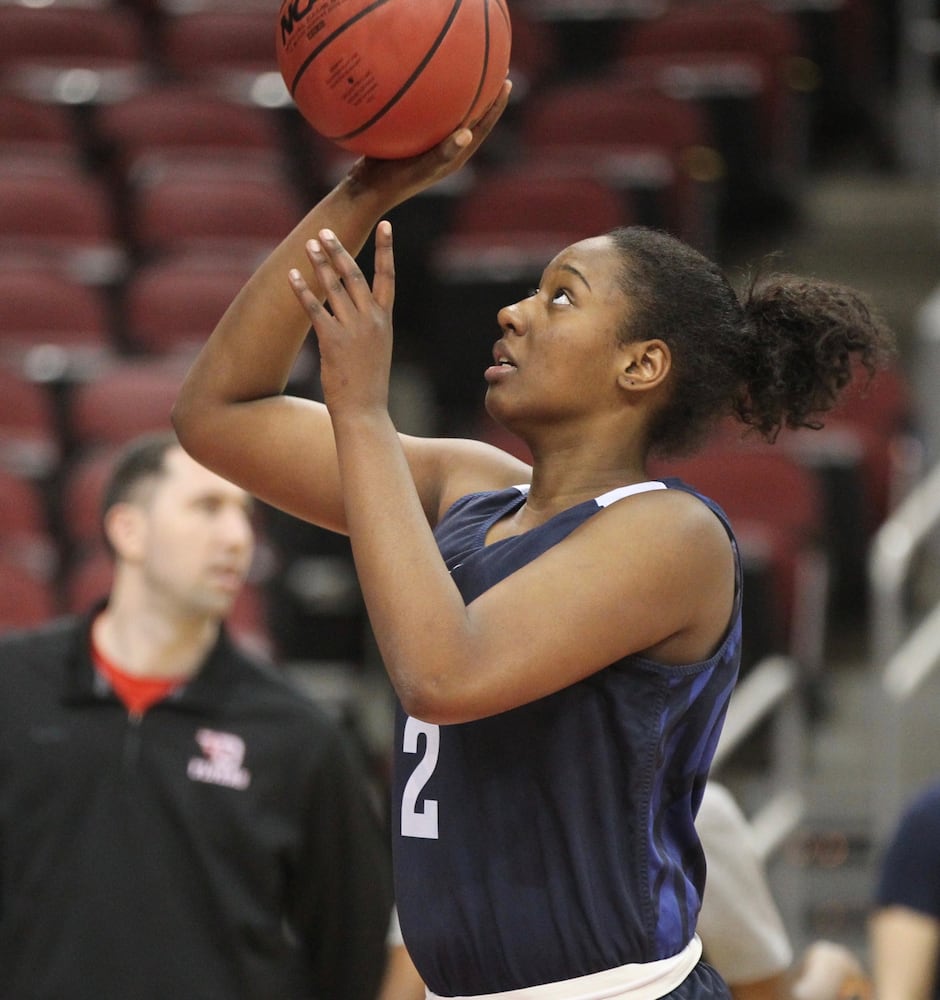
867	456
60	215
88	580
27	599
29	557
656	148
881	414
69	36
29	440
32	127
45	307
743	63
81	490
560	203
213	203
173	304
73	55
23	514
183	118
218	43
129	398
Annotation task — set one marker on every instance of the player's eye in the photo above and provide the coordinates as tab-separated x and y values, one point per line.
561	297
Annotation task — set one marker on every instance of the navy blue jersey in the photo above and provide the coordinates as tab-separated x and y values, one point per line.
557	839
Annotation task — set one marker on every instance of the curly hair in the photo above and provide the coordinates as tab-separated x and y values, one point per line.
777	356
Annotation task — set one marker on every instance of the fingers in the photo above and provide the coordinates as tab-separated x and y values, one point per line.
462	144
493	113
482	126
330	283
342	282
338	271
304	295
383	284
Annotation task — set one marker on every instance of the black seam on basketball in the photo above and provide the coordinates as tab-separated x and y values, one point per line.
419	69
486	55
504	10
326	41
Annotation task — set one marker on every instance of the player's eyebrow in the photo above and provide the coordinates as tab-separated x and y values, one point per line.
576	273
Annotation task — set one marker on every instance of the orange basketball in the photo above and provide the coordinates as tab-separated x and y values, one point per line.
392	78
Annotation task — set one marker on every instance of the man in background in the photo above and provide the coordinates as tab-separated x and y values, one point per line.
175	820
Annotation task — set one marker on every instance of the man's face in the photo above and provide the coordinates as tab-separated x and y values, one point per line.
195	538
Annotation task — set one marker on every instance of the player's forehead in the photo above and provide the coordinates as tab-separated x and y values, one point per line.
594	262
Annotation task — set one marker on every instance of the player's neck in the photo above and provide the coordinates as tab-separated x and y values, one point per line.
560	479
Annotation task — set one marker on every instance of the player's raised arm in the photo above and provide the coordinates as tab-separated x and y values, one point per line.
231	414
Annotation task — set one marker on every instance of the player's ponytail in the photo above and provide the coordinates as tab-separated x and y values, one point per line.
803	341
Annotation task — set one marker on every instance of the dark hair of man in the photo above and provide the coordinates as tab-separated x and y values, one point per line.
143	460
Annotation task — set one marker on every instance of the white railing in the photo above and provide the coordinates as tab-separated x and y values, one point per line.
903	657
771	688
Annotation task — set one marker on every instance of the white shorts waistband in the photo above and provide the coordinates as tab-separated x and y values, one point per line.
637	981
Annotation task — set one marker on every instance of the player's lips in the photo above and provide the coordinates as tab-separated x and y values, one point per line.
503	364
502	356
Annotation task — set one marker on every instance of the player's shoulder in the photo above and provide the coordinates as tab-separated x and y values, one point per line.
666	505
446	469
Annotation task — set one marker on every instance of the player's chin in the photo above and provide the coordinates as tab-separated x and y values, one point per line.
498	405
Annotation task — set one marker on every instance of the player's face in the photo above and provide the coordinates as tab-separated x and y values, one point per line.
559	353
197	538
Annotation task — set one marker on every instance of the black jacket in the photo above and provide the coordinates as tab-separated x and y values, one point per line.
224	846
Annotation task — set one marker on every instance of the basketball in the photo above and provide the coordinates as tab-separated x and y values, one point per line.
392	78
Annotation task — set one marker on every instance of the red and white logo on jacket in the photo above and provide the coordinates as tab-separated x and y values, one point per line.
222	760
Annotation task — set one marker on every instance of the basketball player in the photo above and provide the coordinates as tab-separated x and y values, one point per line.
562	638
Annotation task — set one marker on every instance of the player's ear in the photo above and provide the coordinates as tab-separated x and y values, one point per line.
645	364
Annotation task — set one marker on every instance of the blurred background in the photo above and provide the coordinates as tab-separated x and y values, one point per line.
150	156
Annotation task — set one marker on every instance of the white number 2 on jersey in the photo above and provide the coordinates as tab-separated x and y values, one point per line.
421	822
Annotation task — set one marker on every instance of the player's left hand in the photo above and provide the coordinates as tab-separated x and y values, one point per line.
355	333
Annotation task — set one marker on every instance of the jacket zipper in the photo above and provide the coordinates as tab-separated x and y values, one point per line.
132	741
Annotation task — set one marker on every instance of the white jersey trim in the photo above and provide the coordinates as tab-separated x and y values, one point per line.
618	493
606	499
637	981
